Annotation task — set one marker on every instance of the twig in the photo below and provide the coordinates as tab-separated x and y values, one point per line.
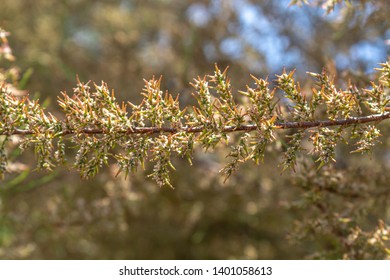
249	127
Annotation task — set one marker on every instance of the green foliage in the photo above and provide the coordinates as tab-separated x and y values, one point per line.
96	124
100	128
338	203
337	211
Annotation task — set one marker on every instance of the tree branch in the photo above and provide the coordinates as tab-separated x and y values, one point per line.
227	129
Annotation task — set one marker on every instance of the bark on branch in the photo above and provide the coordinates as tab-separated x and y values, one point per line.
250	127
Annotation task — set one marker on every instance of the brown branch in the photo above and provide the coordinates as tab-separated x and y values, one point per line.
249	127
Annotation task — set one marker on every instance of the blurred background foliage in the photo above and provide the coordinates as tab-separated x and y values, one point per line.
340	211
